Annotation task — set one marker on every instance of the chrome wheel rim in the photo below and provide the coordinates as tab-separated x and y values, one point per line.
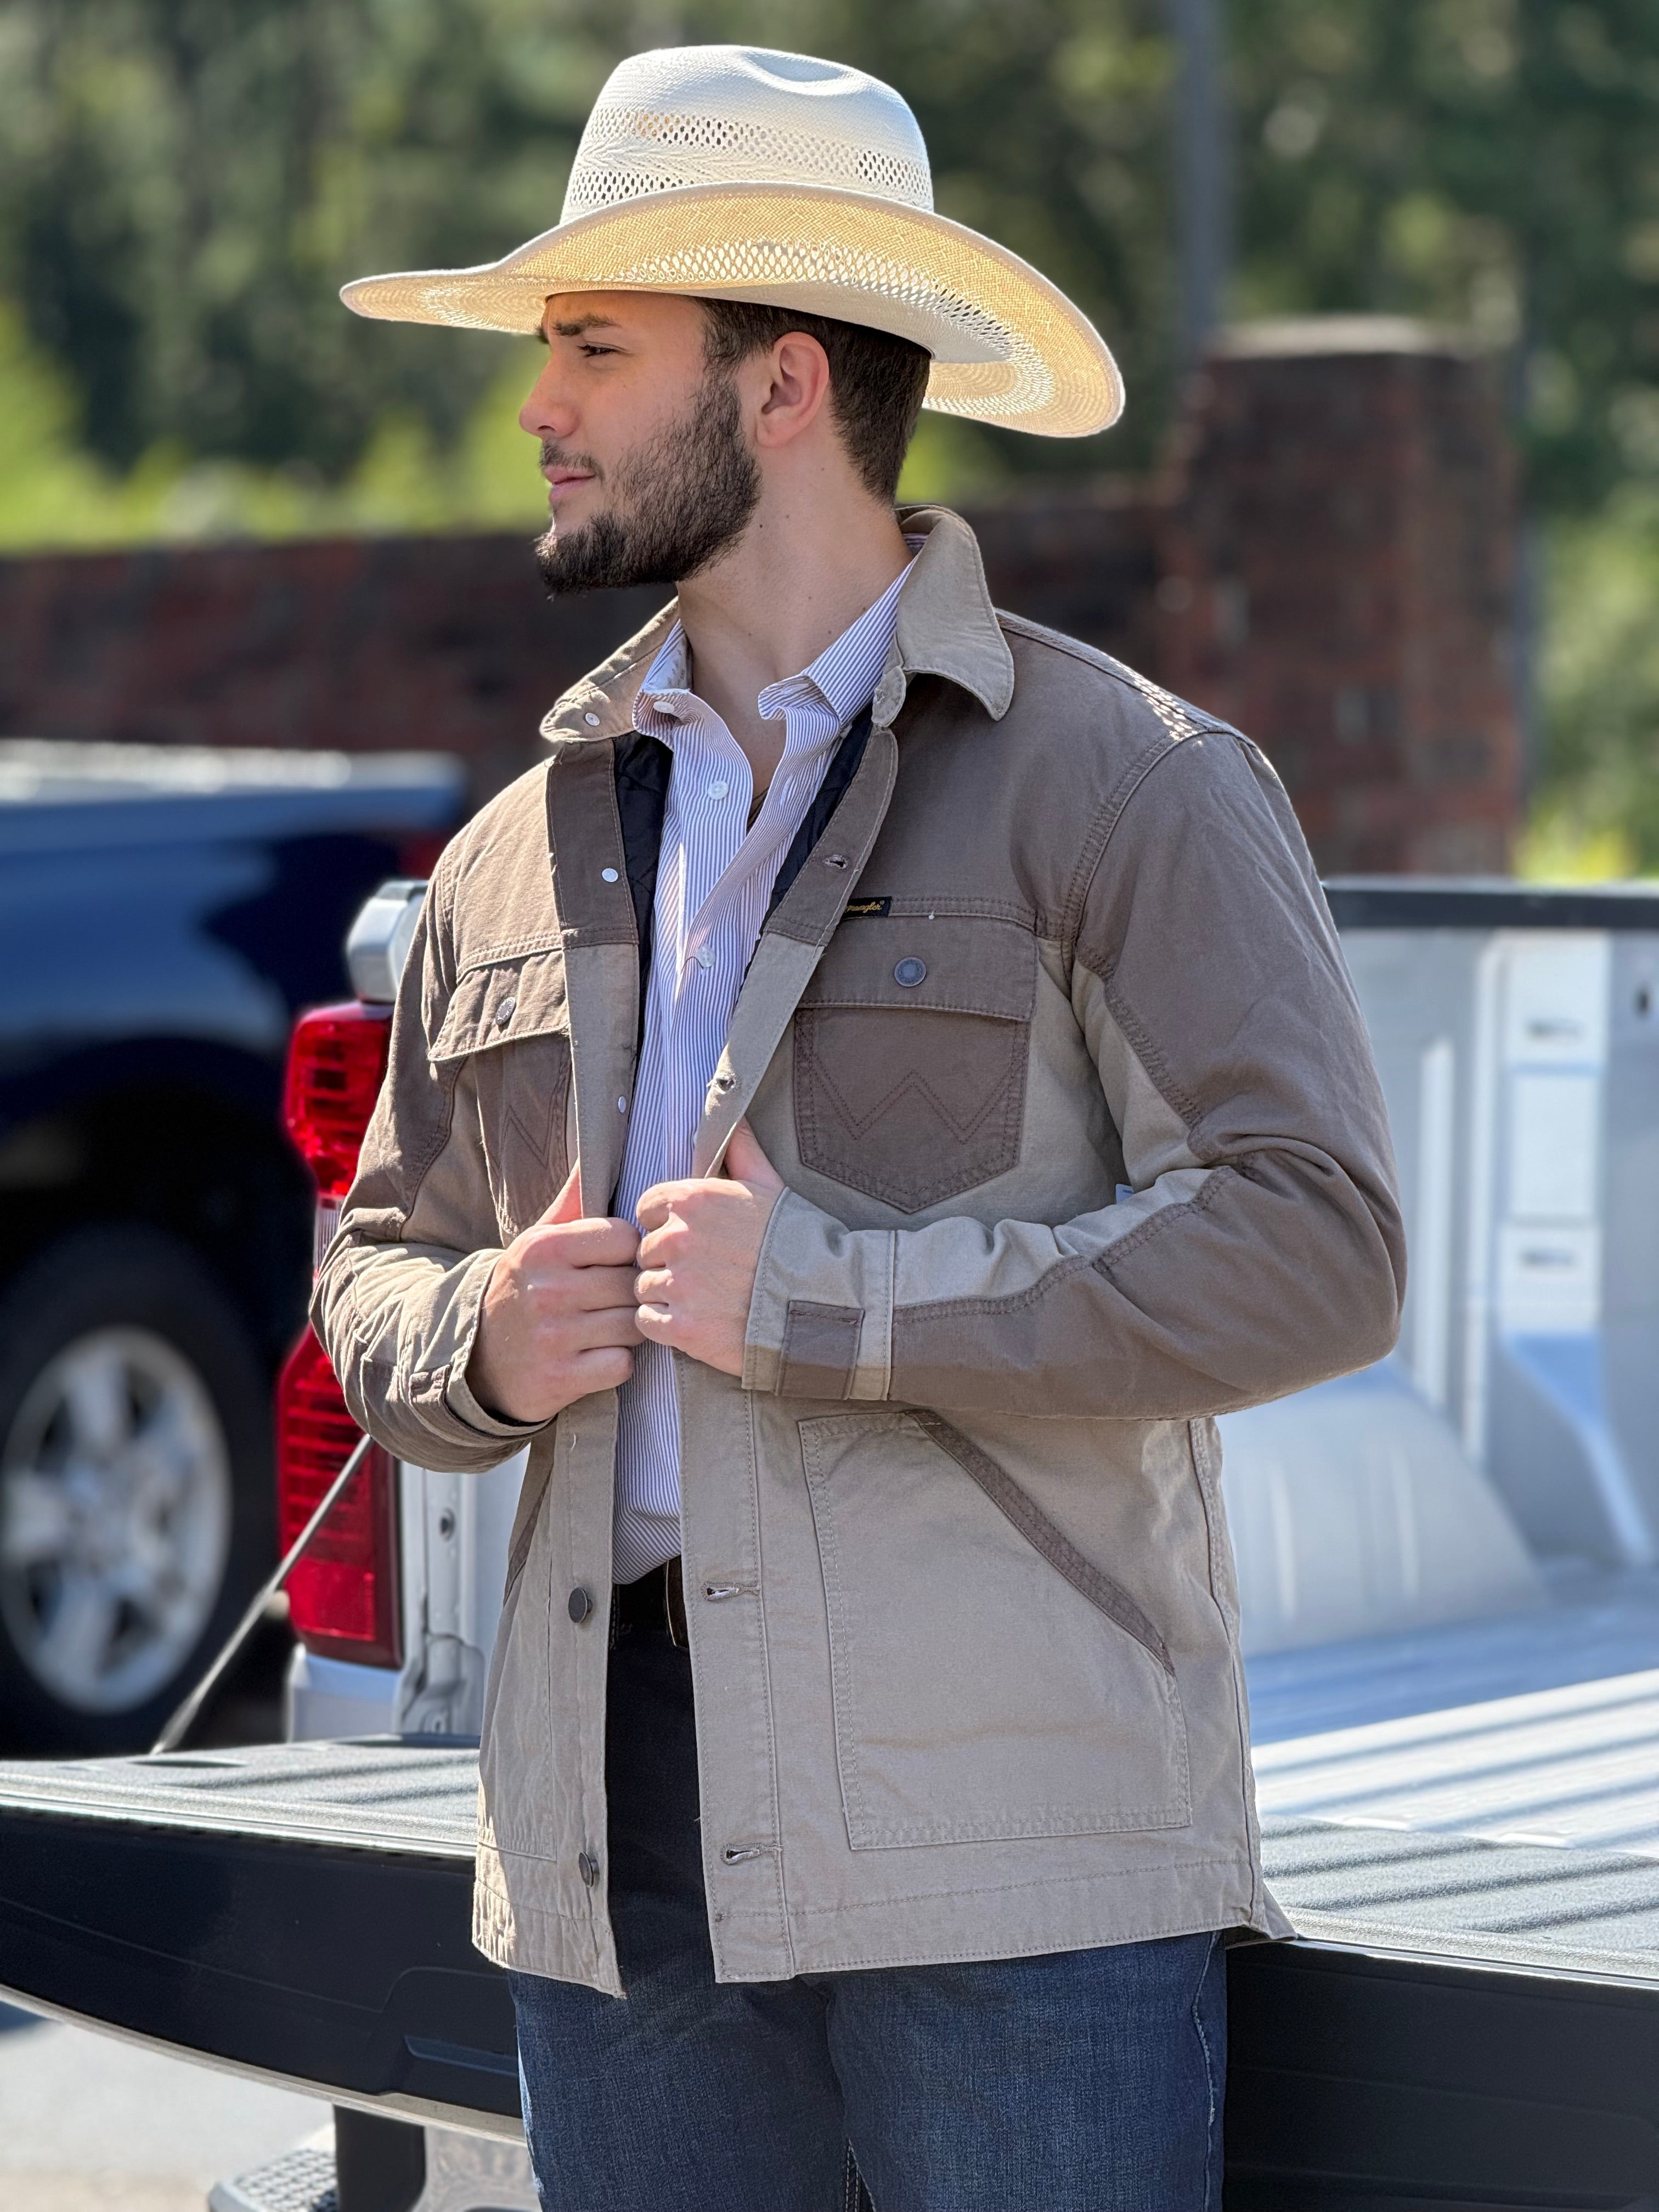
115	1511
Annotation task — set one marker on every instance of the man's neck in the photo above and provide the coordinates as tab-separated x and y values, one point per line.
788	588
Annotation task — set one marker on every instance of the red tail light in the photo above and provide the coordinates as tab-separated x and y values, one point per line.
343	1596
335	1065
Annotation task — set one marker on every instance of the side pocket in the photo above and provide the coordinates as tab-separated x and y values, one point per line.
528	1509
989	1682
1041	1533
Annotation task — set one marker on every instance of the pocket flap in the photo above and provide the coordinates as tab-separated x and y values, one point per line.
503	1002
944	964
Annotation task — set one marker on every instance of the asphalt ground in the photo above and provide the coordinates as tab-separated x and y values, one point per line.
91	2124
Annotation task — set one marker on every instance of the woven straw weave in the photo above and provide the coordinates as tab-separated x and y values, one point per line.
741	173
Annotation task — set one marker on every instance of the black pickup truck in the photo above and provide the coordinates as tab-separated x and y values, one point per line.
164	914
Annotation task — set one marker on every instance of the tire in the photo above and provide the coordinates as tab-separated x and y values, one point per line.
137	1504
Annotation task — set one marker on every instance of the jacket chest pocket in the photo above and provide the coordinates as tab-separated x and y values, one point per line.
508	1022
910	1048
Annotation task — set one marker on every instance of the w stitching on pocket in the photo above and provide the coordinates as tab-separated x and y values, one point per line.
1041	1533
912	1147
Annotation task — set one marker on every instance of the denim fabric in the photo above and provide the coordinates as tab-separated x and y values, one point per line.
1083	2081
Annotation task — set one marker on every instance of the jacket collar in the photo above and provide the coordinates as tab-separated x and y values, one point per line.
946	627
946	624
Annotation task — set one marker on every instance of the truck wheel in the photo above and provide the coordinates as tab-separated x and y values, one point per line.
136	1486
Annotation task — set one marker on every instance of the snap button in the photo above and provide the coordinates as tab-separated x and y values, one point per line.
579	1605
589	1867
909	971
504	1012
608	875
592	720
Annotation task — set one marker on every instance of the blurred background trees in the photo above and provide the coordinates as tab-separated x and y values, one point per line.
184	183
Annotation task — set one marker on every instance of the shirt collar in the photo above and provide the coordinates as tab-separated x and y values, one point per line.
844	675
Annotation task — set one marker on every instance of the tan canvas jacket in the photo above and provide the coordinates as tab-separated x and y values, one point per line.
1052	1041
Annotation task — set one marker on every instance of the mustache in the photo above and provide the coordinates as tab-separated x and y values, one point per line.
556	457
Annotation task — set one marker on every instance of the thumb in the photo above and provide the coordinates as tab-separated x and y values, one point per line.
567	1206
746	1162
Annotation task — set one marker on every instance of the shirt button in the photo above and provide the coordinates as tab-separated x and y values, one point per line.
718	790
621	1105
504	1012
579	1605
607	875
704	956
909	972
588	1866
592	720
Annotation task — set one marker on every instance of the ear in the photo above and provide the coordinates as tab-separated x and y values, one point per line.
796	389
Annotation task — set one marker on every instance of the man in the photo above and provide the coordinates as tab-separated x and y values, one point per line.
858	1110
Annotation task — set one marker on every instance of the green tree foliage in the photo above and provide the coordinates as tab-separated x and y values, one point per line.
1490	163
184	185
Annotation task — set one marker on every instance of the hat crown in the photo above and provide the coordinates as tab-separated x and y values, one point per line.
727	115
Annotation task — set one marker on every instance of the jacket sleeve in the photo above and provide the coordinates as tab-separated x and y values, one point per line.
1260	1249
400	1290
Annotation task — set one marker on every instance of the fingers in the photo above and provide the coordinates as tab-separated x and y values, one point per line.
583	1290
656	1204
592	1332
567	1206
589	1243
605	1369
746	1162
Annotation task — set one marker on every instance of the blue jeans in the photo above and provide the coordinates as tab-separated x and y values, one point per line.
1083	2081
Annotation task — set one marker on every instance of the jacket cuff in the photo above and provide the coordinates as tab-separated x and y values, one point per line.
821	1315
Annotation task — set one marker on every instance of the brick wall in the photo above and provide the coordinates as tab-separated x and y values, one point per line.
1336	544
1326	561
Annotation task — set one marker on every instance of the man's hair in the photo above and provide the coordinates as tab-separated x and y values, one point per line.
877	381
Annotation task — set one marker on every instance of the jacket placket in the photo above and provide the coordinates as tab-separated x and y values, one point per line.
744	1876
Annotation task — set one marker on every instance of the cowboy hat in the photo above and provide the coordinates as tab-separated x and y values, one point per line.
735	172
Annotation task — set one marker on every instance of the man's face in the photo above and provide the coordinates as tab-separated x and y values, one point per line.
649	475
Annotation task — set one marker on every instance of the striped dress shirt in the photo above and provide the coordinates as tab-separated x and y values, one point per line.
713	884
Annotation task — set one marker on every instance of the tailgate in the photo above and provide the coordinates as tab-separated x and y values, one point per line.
298	1910
1466	2022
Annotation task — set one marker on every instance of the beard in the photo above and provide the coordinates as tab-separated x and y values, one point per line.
676	502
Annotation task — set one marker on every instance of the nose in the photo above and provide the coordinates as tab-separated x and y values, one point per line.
547	413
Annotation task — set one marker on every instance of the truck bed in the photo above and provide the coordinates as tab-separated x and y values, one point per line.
1469	2017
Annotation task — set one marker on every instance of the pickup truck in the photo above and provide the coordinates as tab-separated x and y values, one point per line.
1449	1584
165	912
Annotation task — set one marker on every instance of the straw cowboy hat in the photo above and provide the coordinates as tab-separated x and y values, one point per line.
738	173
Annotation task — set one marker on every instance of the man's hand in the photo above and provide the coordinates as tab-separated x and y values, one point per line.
558	1315
699	1253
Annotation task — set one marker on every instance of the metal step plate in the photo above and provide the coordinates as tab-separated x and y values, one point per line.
300	2180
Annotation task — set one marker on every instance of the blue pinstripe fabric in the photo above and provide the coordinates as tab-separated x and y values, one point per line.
713	883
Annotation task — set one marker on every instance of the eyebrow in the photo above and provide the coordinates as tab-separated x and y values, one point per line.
585	323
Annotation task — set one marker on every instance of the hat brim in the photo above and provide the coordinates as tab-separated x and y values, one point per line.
1008	347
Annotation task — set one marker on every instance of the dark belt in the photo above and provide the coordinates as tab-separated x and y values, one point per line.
655	1603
